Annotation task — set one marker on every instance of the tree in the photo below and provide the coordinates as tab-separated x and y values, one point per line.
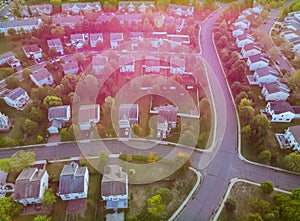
21	160
9	209
12	82
294	80
292	161
260	206
103	160
51	101
30	127
155	205
188	138
230	205
296	194
80	58
265	156
49	198
182	160
253	217
70	134
42	218
267	187
152	157
52	53
36	114
136	130
25	73
166	195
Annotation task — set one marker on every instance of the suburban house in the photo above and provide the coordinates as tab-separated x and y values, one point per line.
128	116
289	34
88	116
177	65
135	38
115	39
238	31
167	117
152	65
41	77
10	59
17	98
275	91
69	21
282	111
131	19
181	10
290	139
257	61
70	67
157	38
263	76
76	8
95	38
244	40
176	40
5	123
136	6
23	9
98	63
170	21
57	116
41	9
78	40
57	45
33	51
30	186
295	45
73	182
114	187
244	23
25	24
126	64
250	49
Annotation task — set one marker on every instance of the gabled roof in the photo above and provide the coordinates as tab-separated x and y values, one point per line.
259	57
28	183
41	74
281	107
15	93
295	130
58	112
276	87
6	55
72	179
168	112
81	5
128	111
251	46
261	72
31	49
116	36
67	19
136	35
36	8
70	65
96	36
20	23
88	112
126	60
77	37
99	60
245	36
54	42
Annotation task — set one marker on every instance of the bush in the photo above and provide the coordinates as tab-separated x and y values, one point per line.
265	156
230	205
267	187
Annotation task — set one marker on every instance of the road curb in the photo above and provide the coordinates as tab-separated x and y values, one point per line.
229	188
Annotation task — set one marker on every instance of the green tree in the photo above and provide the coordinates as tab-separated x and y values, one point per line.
9	209
230	205
155	205
152	157
265	156
294	80
40	139
292	161
30	127
49	198
12	82
42	218
103	160
246	111
267	187
166	195
51	101
296	194
25	73
253	217
70	134
21	160
260	206
37	115
136	130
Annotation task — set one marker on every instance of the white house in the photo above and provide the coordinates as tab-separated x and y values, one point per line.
281	111
88	116
296	45
78	40
114	187
17	98
76	8
136	6
57	116
116	39
41	9
69	21
250	49
70	67
136	38
177	65
126	64
275	91
257	61
9	58
238	31
152	65
167	117
41	77
25	24
95	38
5	123
57	45
265	75
244	23
181	10
289	34
73	182
33	51
244	40
30	186
128	116
291	138
98	63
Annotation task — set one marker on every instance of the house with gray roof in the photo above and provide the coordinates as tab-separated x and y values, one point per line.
78	7
126	64
281	111
33	51
167	118
116	39
41	77
275	91
73	182
41	9
257	61
128	116
136	6
78	40
95	38
17	98
250	49
57	116
290	139
88	116
57	45
70	67
181	10
244	40
98	63
25	24
10	59
67	20
114	187
30	186
263	76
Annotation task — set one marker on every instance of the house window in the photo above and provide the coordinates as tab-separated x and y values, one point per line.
280	119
